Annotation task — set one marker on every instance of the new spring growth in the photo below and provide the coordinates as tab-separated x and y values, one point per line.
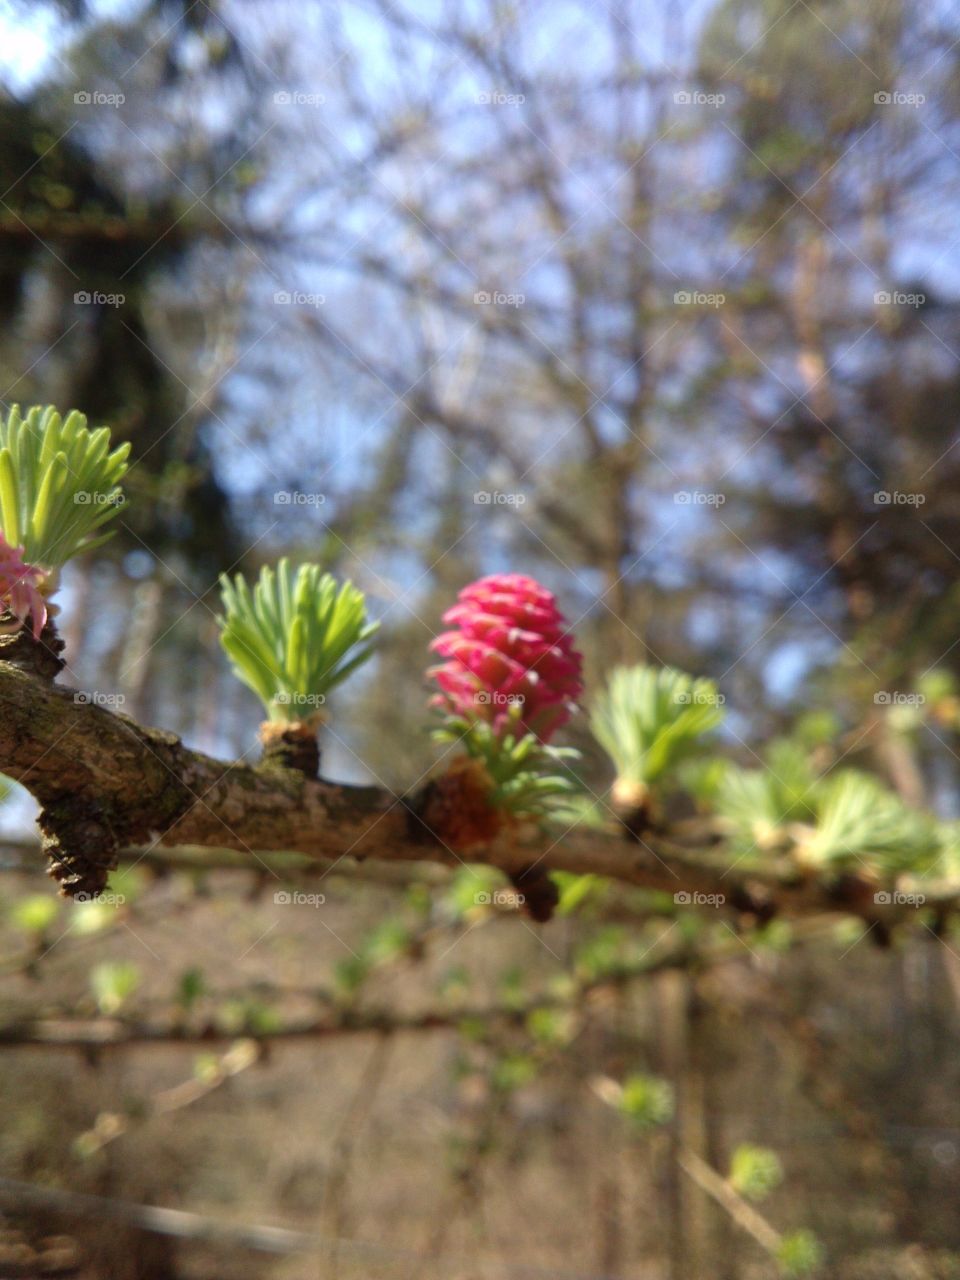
510	681
295	636
59	485
648	719
20	593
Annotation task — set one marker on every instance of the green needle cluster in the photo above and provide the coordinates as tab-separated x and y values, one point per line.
294	636
647	719
59	483
528	776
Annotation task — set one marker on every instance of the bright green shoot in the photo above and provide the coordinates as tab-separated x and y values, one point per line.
59	483
647	719
860	821
528	776
294	637
844	819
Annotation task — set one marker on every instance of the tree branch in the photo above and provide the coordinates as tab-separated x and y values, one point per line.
104	782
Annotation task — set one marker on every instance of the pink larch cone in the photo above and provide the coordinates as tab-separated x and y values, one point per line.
20	591
513	648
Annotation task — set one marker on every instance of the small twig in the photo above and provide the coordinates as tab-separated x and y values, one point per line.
360	1106
20	1196
111	1125
723	1192
116	1032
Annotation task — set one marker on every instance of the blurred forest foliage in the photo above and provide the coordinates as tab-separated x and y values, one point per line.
656	303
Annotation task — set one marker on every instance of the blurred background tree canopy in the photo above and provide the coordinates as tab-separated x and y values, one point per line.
657	303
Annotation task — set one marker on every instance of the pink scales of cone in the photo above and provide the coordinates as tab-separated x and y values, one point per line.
512	647
20	593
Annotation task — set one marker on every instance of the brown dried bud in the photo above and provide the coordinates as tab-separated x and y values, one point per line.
455	808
